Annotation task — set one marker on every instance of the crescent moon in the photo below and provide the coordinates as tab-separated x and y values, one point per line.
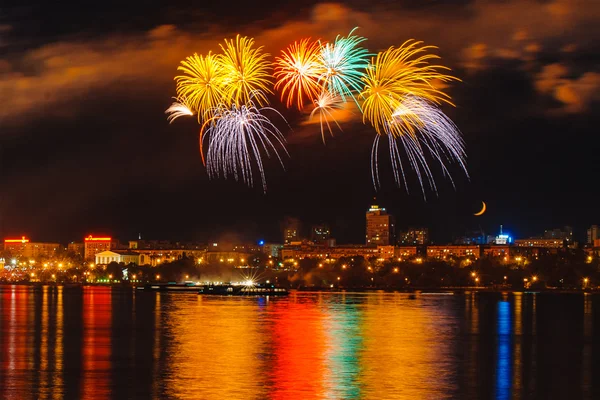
482	210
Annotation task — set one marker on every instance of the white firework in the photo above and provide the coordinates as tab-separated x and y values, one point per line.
325	104
178	109
237	137
426	132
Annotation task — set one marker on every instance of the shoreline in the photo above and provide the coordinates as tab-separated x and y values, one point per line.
413	290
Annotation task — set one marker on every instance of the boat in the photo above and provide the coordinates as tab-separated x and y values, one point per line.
169	287
216	289
238	290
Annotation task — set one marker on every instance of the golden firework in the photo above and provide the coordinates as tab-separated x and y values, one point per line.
246	72
395	74
202	84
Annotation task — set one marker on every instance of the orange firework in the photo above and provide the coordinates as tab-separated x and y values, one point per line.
298	72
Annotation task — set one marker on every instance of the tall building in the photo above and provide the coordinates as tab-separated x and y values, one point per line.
291	230
93	245
593	233
320	233
380	226
413	236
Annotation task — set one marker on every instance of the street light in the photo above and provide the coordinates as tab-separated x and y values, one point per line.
157	277
535	278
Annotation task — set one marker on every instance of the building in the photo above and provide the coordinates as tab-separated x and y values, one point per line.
24	248
565	234
125	257
234	258
405	252
453	251
93	245
310	250
15	246
496	251
593	234
291	230
272	249
380	227
320	233
76	248
540	242
418	236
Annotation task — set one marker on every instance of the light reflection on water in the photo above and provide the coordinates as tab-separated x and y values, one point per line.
102	342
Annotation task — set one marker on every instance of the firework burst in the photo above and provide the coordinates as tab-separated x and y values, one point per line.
246	72
237	137
344	62
397	73
201	84
298	72
427	133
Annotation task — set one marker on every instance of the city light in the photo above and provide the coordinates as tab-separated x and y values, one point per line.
535	278
396	269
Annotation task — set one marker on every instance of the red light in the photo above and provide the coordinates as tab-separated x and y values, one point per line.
22	240
98	239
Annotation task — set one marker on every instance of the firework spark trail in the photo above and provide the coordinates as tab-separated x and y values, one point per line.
298	72
344	62
178	109
236	137
325	104
425	130
246	72
397	73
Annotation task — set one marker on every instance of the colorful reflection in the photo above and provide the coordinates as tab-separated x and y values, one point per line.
407	348
298	340
96	342
215	348
342	348
14	357
503	356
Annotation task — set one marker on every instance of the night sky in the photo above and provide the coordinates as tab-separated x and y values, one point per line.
86	147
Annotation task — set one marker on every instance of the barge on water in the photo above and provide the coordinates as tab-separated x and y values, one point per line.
218	290
236	290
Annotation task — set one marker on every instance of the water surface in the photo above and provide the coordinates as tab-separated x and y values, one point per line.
102	342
